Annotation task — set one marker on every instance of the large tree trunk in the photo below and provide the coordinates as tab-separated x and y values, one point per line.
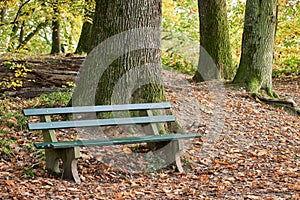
128	34
125	64
56	47
255	69
215	59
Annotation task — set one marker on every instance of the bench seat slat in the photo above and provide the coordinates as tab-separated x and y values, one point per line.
92	109
115	141
100	122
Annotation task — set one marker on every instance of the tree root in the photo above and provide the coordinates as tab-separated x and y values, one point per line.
287	104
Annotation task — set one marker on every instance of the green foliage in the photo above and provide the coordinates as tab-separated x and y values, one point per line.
30	147
55	98
236	12
9	118
28	172
180	19
292	67
41	154
15	120
178	63
25	26
287	41
180	35
5	146
68	84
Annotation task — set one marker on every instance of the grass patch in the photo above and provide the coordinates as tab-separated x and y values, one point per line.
55	99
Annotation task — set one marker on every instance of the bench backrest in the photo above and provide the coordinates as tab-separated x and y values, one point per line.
98	122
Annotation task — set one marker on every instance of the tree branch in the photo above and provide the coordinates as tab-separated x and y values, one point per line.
30	35
16	17
19	11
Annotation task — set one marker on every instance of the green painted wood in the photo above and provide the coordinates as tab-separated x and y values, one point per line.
93	109
100	122
115	141
48	135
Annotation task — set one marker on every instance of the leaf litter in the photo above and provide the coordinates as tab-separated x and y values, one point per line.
249	150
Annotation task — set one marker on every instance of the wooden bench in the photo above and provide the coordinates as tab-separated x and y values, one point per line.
68	151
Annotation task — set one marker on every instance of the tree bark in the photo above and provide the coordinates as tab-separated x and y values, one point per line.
56	46
85	36
124	66
133	70
215	59
255	69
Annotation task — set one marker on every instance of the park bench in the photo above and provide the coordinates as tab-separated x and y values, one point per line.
68	151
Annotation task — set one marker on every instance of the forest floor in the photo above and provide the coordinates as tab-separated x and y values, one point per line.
249	150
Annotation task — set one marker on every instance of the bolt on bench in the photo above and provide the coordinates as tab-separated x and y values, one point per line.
68	151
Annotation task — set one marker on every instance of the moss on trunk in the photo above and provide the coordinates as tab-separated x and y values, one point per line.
255	69
138	71
214	38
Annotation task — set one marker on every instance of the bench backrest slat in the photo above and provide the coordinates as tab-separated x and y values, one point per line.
100	122
93	109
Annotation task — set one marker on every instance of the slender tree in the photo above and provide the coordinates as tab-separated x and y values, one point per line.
85	36
56	45
16	26
255	69
3	11
215	59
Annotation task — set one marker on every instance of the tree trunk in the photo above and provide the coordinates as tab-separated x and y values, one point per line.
56	47
215	59
125	64
128	54
255	69
84	40
85	36
3	11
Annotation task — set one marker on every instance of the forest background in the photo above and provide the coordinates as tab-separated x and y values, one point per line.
25	29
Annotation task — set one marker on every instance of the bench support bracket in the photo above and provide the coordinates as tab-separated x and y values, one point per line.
68	156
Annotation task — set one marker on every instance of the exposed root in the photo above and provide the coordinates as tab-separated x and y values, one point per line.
287	104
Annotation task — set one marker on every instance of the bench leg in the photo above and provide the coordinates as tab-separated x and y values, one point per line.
171	152
175	148
69	157
52	161
178	162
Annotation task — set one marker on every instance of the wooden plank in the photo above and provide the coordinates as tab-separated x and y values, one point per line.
92	109
115	141
100	122
52	157
153	127
48	135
